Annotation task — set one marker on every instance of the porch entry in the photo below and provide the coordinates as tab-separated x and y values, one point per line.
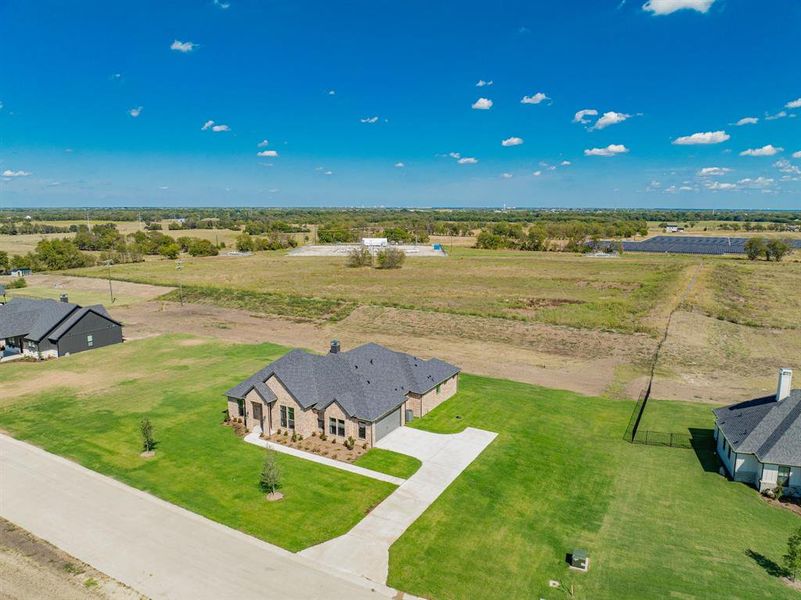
258	415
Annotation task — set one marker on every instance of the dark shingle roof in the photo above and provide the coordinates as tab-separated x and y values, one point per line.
367	382
769	429
36	319
32	319
76	316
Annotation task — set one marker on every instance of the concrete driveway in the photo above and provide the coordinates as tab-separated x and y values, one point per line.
156	548
364	550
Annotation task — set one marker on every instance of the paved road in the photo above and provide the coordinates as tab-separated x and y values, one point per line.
158	549
364	550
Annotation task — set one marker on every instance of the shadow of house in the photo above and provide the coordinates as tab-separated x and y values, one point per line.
702	441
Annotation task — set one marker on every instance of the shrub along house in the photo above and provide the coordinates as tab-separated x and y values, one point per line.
759	441
364	393
49	329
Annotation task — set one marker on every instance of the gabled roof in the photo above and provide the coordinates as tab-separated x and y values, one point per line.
768	429
76	316
367	382
37	319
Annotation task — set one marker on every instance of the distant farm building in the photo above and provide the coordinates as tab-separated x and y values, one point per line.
673	228
375	242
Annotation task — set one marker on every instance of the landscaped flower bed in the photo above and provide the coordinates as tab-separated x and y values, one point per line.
328	446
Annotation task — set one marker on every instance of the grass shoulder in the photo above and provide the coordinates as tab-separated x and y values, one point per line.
389	462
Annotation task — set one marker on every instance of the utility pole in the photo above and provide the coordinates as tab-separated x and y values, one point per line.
179	265
108	263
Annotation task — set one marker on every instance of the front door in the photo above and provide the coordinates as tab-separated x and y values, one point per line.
257	415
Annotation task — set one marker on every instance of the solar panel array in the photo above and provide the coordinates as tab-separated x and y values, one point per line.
679	244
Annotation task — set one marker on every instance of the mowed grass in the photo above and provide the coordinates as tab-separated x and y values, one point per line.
657	522
82	297
389	462
179	383
561	289
758	293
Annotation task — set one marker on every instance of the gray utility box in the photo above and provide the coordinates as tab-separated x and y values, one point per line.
409	415
579	560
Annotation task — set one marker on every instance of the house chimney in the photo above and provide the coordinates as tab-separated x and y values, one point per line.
65	298
785	383
334	347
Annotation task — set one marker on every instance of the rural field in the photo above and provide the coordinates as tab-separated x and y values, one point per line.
656	521
558	319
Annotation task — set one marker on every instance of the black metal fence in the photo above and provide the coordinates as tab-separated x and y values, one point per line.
661	438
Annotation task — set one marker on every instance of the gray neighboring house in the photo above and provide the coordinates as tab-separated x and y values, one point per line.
759	441
363	393
49	328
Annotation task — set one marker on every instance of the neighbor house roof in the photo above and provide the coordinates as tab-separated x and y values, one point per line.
36	319
367	382
765	427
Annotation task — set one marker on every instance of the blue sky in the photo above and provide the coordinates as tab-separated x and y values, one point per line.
369	103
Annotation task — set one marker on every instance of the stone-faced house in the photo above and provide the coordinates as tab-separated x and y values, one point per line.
363	393
759	441
49	329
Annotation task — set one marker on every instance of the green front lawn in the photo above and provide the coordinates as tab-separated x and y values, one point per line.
200	464
657	522
389	462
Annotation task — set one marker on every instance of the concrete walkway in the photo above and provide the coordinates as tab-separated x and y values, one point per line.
158	549
253	438
364	550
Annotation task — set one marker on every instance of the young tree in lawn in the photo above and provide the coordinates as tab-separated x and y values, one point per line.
792	560
755	247
146	429
270	479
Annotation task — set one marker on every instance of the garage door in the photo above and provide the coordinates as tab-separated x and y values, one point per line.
387	424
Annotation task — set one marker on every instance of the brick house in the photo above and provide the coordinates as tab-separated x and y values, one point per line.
363	393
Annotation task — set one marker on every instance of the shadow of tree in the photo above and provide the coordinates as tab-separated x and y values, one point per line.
771	567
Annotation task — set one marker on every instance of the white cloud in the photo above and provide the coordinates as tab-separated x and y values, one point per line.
399	165
797	154
793	104
263	143
267	153
369	120
482	83
779	115
610	118
10	173
713	171
183	46
328	173
720	186
747	121
565	163
759	182
482	104
215	127
706	137
581	116
785	166
506	175
537	173
769	150
535	99
456	155
332	92
512	141
666	7
135	112
222	5
610	150
467	160
1	106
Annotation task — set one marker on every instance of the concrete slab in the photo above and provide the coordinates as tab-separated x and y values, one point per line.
155	547
364	550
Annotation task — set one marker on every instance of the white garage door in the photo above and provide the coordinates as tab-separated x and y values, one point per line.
390	422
